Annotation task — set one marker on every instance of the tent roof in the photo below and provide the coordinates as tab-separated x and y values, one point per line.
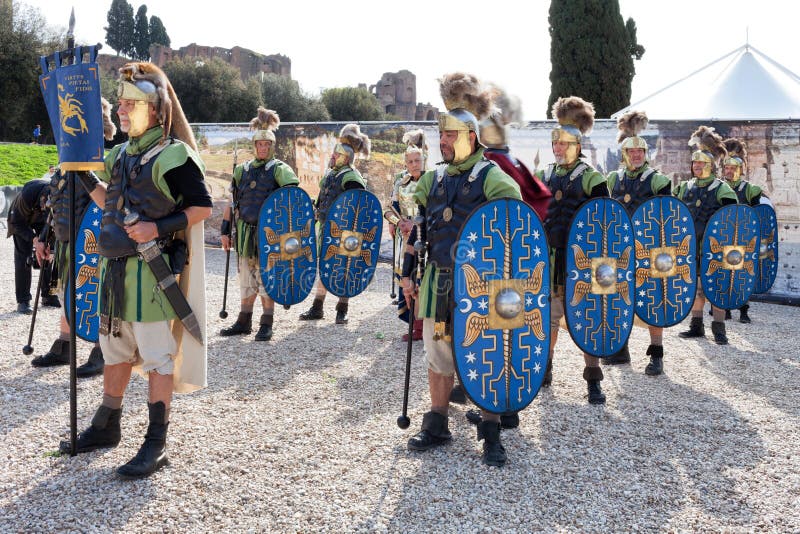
744	84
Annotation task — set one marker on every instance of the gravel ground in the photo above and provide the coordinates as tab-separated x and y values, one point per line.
299	435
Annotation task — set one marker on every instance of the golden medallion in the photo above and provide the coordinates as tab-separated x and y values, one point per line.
253	184
559	195
447	214
627	198
698	202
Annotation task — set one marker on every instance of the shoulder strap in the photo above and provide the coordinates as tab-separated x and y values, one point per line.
155	151
577	171
478	169
647	174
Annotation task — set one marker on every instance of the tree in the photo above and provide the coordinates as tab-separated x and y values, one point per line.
352	104
24	37
119	32
141	35
285	96
592	52
212	91
158	33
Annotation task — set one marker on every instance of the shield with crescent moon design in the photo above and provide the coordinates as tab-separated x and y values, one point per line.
768	249
666	269
730	256
87	277
287	250
501	305
350	243
598	304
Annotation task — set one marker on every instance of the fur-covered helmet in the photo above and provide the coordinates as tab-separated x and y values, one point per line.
737	156
352	136
575	118
630	125
145	82
467	102
709	148
507	110
264	124
415	140
109	128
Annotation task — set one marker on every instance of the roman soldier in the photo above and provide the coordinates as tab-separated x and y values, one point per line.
154	200
704	194
59	207
341	176
572	181
446	196
253	181
631	185
735	170
402	209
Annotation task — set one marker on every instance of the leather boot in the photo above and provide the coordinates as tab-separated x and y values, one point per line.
58	355
656	365
493	451
728	315
104	432
619	357
434	432
548	374
743	317
416	331
243	325
696	329
93	366
593	376
265	328
457	395
152	455
507	420
341	312
313	313
718	329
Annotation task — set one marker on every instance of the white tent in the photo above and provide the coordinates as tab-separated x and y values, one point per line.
744	84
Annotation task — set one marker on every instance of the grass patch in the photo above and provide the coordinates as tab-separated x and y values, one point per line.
20	163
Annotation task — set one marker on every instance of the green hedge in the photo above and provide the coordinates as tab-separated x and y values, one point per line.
20	163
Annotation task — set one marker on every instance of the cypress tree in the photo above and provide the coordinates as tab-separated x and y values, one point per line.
119	32
158	33
592	51
141	35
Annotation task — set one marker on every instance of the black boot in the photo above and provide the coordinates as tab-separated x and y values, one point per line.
507	420
265	328
434	432
493	451
696	329
104	432
152	455
243	325
728	315
743	317
457	395
51	301
619	357
718	329
93	366
593	376
314	313
341	313
656	365
548	374
58	355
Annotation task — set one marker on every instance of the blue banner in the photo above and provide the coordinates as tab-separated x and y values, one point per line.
72	96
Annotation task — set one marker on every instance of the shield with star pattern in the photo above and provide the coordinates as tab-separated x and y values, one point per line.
666	270
768	249
598	305
287	251
350	243
730	256
87	281
501	305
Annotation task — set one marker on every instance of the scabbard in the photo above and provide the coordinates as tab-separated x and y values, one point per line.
150	252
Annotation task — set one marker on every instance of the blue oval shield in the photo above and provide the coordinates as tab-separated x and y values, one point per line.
87	282
768	249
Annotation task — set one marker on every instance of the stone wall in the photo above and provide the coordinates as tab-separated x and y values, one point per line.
248	62
397	94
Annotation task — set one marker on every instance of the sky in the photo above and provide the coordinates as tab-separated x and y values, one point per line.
335	43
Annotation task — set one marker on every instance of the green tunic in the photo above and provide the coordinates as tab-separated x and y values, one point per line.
497	185
657	181
723	191
589	180
144	300
246	237
751	190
